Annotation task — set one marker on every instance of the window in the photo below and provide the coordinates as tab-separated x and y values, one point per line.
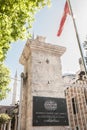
85	94
75	106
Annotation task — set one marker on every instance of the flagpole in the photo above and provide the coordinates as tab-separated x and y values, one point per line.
77	36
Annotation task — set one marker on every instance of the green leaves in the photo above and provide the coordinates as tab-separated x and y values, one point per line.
4	81
16	18
4	118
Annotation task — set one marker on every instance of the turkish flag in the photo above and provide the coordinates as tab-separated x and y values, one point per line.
66	11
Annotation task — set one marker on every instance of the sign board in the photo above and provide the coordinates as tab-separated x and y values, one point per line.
49	111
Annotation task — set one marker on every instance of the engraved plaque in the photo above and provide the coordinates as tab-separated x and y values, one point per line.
49	111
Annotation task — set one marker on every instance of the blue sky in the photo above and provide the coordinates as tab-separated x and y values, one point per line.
46	24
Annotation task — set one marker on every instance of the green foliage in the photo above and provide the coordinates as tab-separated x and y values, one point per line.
16	17
4	81
4	118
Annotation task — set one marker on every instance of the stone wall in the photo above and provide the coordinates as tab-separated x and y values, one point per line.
42	77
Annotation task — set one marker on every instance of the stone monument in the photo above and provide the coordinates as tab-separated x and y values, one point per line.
42	104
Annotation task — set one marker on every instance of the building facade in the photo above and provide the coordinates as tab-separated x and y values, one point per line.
76	98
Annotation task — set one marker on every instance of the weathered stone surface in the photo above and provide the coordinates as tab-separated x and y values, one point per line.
42	65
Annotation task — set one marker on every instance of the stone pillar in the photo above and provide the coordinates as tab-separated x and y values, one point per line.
9	125
15	128
14	96
4	127
42	78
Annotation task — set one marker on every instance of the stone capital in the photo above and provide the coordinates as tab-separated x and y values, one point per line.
39	44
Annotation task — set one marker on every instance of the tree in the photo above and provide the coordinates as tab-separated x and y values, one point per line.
4	118
4	81
16	17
